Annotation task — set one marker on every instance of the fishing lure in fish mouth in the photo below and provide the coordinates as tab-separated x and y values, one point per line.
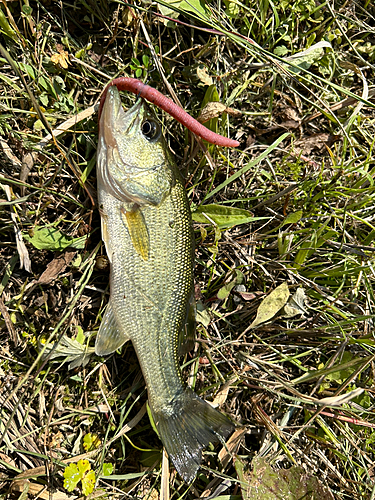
147	231
155	97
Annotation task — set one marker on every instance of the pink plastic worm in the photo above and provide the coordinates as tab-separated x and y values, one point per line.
155	97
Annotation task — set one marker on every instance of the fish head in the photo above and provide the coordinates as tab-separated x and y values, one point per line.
134	163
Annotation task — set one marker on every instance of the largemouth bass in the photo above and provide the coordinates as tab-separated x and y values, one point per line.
147	231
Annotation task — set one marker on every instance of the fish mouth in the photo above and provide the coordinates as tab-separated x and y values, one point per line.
134	116
115	122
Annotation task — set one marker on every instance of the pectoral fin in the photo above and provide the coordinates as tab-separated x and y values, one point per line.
109	337
136	224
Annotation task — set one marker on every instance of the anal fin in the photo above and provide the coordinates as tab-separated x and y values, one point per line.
109	337
186	338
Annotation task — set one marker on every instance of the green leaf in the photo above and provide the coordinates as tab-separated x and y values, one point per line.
27	10
152	422
71	477
272	304
224	291
353	363
172	8
304	59
44	99
6	27
222	215
50	238
202	315
107	469
292	218
281	50
74	473
145	60
80	337
91	442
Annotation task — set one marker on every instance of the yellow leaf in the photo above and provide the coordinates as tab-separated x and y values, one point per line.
271	305
91	442
61	57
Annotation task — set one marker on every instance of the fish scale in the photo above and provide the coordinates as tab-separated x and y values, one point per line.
147	231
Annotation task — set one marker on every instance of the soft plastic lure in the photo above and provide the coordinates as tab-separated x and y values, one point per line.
155	97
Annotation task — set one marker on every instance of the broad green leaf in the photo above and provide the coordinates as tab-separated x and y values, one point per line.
71	477
303	60
173	8
211	95
271	305
107	469
80	337
83	467
222	215
202	315
50	238
81	471
149	458
281	50
224	291
292	218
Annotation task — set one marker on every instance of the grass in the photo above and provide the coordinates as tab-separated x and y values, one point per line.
293	206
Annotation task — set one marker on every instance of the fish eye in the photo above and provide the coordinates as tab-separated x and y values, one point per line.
150	130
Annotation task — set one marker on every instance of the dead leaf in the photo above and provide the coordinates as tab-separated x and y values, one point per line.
25	262
342	398
231	446
295	304
271	305
211	110
39	490
61	57
128	16
222	395
56	267
214	110
164	490
8	322
9	153
203	75
249	295
317	141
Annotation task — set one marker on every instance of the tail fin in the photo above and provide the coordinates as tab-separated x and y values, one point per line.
185	427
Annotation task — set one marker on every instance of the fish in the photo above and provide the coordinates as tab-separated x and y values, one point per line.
147	231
